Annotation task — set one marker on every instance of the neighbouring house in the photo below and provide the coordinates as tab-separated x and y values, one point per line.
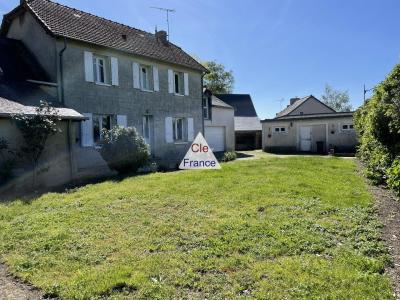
309	125
112	74
219	127
23	83
247	123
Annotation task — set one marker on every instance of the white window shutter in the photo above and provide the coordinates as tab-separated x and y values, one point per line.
87	131
88	57
168	130
156	82
170	81
122	121
114	71
136	81
190	129
186	83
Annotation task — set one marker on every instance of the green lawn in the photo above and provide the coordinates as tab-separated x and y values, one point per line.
271	228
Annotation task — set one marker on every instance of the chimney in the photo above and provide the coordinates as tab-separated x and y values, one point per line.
293	100
162	36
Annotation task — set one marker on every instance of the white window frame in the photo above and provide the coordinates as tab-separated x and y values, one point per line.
100	118
175	130
181	88
96	69
146	80
206	109
280	131
348	129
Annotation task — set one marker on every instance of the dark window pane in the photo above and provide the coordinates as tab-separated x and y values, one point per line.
344	126
96	129
177	83
276	129
283	129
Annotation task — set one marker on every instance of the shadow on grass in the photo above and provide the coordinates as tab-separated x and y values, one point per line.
28	195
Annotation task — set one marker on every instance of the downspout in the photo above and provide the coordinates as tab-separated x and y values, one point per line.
62	100
202	109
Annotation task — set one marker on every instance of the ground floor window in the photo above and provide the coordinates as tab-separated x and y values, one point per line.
279	130
178	128
101	122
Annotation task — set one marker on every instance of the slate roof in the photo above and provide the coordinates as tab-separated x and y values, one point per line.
295	105
311	116
17	95
63	21
247	124
242	104
218	102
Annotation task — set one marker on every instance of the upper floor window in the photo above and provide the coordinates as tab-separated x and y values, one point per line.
178	83
145	77
99	69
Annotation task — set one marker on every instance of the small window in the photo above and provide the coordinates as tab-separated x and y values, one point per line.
99	69
145	77
206	109
347	127
279	130
178	83
178	129
301	113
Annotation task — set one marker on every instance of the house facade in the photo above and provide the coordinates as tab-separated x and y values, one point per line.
113	75
219	123
308	125
247	123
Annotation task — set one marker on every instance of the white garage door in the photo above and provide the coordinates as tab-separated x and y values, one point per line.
215	137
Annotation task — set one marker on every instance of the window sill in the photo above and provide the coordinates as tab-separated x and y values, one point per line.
148	91
180	143
180	95
102	84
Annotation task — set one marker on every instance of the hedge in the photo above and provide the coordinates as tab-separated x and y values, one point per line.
378	124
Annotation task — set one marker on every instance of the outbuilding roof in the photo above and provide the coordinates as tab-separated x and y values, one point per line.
286	111
215	101
63	21
242	104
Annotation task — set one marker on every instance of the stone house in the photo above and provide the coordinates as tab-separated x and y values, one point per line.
112	74
219	124
308	125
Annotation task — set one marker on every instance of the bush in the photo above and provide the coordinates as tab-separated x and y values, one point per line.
228	156
6	162
124	149
393	176
378	126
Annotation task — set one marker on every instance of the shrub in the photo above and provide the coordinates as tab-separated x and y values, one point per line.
124	149
393	176
378	126
6	162
228	156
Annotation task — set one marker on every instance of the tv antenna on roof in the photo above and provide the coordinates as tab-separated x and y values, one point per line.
167	10
280	102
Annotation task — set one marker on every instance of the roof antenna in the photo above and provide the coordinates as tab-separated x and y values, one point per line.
167	10
280	102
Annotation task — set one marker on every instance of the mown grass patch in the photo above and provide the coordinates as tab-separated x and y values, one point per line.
295	227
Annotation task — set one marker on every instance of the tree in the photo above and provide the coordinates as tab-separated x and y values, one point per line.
218	81
35	130
338	100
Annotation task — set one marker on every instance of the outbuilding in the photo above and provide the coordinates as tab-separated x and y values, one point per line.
308	125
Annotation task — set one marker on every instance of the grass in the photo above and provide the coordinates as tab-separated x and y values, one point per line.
271	228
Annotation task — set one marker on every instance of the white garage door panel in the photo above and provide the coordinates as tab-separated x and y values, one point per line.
215	137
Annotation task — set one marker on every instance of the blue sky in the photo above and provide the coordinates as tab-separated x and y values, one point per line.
276	48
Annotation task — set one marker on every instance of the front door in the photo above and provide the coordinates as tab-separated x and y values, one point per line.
148	130
305	139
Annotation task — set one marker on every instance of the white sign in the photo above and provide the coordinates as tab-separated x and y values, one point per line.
199	156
